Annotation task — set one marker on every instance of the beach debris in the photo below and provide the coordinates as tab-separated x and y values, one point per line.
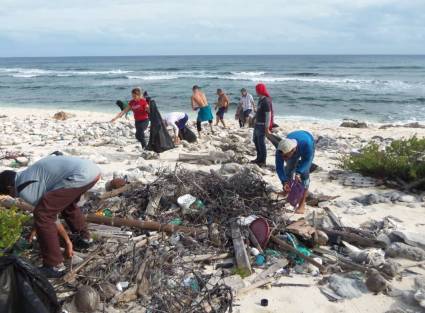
115	183
402	250
241	255
375	282
347	286
353	124
63	116
86	299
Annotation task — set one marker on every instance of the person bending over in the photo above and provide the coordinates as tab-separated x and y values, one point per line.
177	120
140	108
294	157
200	103
54	186
122	105
221	107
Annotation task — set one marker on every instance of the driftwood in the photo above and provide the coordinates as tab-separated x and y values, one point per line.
167	228
70	276
335	220
205	257
271	270
287	247
255	285
355	239
116	192
241	255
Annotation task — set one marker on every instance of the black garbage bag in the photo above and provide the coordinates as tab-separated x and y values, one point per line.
187	134
24	289
159	138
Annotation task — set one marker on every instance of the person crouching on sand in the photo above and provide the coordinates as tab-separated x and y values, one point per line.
221	107
140	108
294	157
177	120
200	103
53	186
262	124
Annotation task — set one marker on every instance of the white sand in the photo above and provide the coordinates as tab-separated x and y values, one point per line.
33	131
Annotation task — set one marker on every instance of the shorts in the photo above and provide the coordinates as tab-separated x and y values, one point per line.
220	113
182	123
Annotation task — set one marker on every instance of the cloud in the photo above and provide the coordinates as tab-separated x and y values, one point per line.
226	27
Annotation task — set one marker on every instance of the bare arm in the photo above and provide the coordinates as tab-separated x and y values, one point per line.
62	233
121	114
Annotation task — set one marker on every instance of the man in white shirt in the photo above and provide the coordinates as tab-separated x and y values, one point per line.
177	120
247	108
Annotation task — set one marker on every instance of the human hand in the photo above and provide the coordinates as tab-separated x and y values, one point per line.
286	188
32	235
267	132
298	178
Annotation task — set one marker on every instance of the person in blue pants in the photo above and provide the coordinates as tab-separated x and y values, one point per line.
294	157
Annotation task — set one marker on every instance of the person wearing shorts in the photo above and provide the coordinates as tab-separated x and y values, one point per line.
221	107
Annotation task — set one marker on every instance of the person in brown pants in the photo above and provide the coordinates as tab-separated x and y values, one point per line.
53	186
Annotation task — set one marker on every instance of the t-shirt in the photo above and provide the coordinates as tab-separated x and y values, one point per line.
53	173
172	118
139	108
247	102
264	106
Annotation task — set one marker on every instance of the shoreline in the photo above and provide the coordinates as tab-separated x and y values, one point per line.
229	116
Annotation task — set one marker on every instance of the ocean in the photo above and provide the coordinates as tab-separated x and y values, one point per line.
370	88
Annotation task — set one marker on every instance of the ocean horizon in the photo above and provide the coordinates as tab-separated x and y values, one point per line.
376	88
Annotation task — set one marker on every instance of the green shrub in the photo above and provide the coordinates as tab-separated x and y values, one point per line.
10	227
401	160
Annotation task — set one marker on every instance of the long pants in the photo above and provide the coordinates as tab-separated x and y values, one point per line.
260	143
141	127
244	116
62	201
198	125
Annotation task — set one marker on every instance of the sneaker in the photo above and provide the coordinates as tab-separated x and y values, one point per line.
80	243
52	271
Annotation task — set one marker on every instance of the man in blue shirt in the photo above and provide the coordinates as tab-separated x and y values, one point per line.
294	156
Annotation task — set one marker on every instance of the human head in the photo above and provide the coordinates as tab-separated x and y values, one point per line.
136	93
7	183
243	92
287	148
196	88
219	91
261	90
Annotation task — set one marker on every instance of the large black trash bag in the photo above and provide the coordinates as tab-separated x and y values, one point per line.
159	138
187	134
24	289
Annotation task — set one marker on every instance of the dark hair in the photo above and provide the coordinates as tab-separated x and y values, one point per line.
119	103
196	87
243	90
219	90
145	94
136	91
7	179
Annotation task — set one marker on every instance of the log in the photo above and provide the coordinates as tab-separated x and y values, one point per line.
287	247
355	239
155	226
254	240
241	256
70	276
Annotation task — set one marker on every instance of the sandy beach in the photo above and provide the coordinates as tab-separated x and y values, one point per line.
35	133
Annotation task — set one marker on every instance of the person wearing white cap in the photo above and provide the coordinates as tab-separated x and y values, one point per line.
294	156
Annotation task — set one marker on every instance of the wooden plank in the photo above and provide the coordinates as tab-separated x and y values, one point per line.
116	192
335	219
241	256
355	239
205	257
271	270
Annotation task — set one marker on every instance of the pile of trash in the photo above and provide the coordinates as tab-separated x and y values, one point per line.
193	241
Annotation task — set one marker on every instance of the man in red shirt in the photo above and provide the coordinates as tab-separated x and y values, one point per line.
140	108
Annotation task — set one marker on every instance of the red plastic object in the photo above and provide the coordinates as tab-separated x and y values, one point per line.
261	229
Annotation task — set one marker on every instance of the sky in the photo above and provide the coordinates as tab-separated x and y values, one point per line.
186	27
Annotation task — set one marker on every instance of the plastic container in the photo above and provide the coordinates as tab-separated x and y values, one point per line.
189	204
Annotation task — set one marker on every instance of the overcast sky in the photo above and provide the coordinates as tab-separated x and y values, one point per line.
174	27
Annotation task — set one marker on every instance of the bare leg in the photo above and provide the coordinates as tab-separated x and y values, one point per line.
211	126
217	119
222	122
301	206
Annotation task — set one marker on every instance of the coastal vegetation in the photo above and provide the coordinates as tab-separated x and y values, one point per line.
11	225
402	161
